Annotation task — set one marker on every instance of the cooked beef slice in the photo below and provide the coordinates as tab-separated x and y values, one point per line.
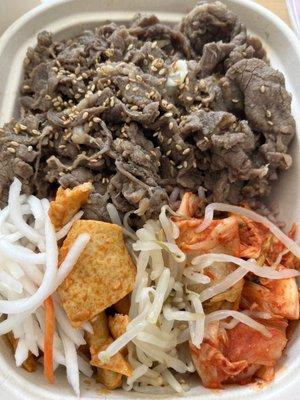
210	23
267	107
98	108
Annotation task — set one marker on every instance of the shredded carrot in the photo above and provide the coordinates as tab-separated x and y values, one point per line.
48	340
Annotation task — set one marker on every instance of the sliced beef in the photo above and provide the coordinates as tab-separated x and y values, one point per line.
99	107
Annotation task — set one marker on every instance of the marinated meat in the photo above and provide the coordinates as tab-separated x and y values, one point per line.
100	108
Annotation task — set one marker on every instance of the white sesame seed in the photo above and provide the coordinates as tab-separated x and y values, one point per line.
235	100
85	115
112	102
268	114
139	78
262	89
186	151
23	127
153	45
169	114
29	148
11	150
155	134
271	123
178	147
168	152
127	87
171	125
169	141
185	164
96	119
179	166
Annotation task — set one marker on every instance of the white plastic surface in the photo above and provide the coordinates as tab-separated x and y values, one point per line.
68	18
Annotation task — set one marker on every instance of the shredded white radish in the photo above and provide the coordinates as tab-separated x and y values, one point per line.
71	362
282	237
15	212
29	274
65	229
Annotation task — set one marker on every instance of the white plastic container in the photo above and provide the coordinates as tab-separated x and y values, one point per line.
68	18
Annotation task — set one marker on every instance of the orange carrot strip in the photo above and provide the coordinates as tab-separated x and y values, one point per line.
48	339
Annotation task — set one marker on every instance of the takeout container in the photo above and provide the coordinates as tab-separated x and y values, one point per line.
68	18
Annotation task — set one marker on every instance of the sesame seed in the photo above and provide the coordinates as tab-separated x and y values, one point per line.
179	166
91	123
96	119
55	69
130	47
185	164
84	75
139	78
23	127
235	100
186	151
169	106
172	162
148	157
134	108
162	71
187	81
56	104
194	164
26	87
268	114
11	150
262	89
169	114
271	123
77	96
169	141
35	132
189	98
178	147
168	152
151	57
153	153
171	125
145	62
13	143
29	148
181	86
153	45
127	87
85	115
155	134
112	102
135	89
153	68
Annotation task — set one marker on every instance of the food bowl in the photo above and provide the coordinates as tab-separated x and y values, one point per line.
68	18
